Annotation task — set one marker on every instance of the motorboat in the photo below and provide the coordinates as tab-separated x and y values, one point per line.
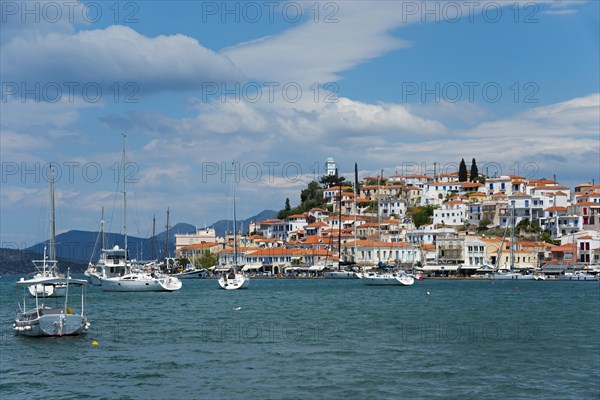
44	319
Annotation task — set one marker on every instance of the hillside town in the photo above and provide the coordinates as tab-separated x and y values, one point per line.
473	226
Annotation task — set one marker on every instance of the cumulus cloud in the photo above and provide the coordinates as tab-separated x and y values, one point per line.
116	54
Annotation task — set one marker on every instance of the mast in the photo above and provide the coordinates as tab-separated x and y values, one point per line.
125	194
512	236
153	235
167	236
378	221
102	230
340	226
235	249
52	218
354	205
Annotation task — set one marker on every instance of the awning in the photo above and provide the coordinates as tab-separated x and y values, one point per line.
554	268
249	267
316	268
470	267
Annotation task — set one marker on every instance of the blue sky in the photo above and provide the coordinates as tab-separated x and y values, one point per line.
400	85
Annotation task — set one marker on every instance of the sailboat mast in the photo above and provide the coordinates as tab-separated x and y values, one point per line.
153	235
512	237
340	226
378	219
102	230
52	217
354	206
167	236
235	249
125	193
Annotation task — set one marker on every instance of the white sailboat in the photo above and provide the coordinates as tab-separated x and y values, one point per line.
510	273
385	278
388	279
339	273
124	277
234	279
48	267
45	320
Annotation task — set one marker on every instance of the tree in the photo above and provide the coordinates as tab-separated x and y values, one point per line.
422	215
474	171
287	204
483	224
207	260
356	184
462	171
333	180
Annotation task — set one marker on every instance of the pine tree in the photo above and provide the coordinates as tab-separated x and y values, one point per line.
474	171
462	171
288	207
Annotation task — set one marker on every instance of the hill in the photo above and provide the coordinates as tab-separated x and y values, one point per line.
18	262
76	248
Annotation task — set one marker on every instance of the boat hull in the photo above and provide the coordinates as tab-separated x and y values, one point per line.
340	275
513	276
47	291
50	325
388	280
239	281
197	274
168	284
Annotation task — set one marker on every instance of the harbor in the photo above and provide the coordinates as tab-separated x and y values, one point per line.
311	337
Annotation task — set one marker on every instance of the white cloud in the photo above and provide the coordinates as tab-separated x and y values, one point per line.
315	51
115	54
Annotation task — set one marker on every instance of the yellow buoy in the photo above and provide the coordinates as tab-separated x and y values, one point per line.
95	344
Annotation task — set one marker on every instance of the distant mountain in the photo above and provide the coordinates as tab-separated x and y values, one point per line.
226	225
18	262
79	247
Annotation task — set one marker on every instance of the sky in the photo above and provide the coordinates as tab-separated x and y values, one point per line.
256	96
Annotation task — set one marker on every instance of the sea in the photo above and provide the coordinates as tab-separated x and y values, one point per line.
318	339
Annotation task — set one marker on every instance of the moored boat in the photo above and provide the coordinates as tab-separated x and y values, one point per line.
45	320
388	279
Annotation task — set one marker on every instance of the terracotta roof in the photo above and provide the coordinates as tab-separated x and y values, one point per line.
197	246
556	208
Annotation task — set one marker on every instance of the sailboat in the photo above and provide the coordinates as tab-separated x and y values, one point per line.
111	263
339	273
385	278
129	278
510	273
234	278
45	320
48	267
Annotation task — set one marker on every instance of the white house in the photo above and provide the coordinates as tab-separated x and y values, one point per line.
451	213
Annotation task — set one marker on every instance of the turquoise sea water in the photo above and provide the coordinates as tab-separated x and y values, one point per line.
318	339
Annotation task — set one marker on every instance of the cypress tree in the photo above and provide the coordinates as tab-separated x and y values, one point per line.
356	179
474	171
462	171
